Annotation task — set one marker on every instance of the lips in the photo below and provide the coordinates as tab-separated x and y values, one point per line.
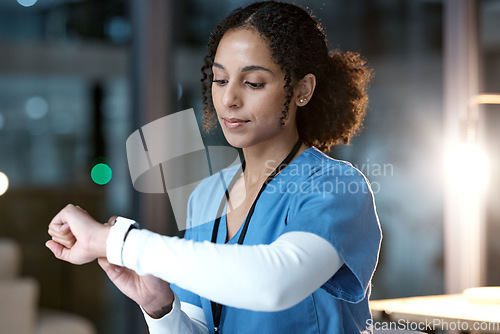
234	123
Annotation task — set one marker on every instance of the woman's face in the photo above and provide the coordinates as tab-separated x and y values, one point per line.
247	91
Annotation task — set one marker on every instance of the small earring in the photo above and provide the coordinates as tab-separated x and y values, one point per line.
302	100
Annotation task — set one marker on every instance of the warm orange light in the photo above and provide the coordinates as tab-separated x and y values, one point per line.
483	295
485	99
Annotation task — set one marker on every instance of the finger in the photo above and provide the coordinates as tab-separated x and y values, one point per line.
64	229
54	233
111	270
111	220
65	242
61	242
61	218
108	267
60	230
62	236
57	249
104	263
68	240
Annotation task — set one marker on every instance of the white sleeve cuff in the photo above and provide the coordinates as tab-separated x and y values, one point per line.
116	238
159	325
177	321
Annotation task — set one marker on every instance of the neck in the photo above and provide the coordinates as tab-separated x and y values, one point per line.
262	159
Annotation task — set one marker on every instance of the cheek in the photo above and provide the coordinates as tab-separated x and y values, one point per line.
269	116
214	94
272	106
278	99
272	99
215	99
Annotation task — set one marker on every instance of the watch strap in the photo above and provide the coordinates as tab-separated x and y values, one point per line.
116	239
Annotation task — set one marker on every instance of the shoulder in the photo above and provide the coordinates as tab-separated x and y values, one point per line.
324	169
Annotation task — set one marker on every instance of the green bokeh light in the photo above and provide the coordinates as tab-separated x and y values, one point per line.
101	174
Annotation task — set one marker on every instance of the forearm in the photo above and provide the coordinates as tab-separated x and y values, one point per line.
262	278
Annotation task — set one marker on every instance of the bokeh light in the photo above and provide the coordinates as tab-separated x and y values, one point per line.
27	3
37	107
467	168
179	91
101	174
4	183
118	29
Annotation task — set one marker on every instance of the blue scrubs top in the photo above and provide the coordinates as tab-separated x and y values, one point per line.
315	194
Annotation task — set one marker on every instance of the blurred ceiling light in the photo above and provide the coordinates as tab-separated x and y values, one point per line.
37	107
4	183
467	164
485	99
467	171
118	29
26	3
467	168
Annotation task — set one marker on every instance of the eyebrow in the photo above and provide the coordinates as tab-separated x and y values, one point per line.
246	68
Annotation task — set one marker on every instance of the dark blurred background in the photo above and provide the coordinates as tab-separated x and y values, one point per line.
77	77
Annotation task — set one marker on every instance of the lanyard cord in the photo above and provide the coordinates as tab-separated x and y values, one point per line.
217	308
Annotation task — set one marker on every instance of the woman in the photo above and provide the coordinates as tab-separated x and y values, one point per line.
294	240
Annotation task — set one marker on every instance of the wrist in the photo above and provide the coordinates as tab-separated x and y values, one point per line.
159	309
115	239
99	240
160	304
158	312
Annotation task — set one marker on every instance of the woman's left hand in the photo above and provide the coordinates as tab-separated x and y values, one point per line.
150	292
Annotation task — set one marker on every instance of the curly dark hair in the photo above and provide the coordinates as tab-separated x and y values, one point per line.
298	44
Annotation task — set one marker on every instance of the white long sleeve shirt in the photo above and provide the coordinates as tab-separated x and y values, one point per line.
260	277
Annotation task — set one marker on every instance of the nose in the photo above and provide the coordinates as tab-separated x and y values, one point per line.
231	97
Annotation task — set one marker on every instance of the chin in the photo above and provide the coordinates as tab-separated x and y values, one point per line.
239	141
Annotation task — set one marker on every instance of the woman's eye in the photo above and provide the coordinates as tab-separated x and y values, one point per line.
254	85
220	82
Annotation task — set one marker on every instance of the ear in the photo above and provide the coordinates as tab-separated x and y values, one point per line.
304	90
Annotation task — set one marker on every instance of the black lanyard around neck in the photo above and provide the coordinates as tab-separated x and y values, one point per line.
217	308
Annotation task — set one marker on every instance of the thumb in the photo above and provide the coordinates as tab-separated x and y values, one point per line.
58	250
110	269
105	265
